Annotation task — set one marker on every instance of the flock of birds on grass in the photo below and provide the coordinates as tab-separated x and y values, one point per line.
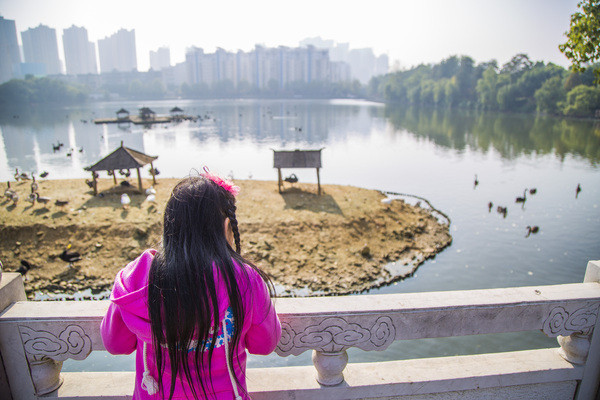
520	200
12	196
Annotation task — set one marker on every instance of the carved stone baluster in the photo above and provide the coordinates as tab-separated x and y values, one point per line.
574	348
330	366
45	375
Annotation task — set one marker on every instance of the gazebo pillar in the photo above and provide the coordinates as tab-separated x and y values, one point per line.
114	176
152	172
139	179
95	183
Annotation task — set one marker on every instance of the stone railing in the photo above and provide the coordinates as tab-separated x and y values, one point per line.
36	337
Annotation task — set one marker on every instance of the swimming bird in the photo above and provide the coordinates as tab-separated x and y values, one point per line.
81	149
532	229
533	191
125	200
69	256
476	182
70	153
490	205
577	190
291	179
44	174
502	210
522	199
55	148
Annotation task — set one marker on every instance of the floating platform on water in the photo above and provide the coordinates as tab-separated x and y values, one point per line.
137	120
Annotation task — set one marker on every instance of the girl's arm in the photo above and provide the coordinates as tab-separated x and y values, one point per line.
265	329
117	338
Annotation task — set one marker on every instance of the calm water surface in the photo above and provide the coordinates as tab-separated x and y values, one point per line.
432	154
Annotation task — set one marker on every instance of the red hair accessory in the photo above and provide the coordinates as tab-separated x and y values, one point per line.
224	183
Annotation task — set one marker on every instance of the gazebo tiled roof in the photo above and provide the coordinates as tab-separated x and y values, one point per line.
122	158
176	110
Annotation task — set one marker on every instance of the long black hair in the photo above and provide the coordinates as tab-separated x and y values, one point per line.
182	294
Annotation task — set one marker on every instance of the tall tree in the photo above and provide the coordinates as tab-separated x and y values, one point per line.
583	38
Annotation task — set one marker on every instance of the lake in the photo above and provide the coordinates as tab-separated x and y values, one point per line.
433	154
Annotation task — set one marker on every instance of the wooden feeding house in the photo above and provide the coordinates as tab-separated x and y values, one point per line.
176	113
147	114
123	114
297	159
123	158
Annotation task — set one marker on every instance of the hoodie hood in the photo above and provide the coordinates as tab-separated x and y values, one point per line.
130	294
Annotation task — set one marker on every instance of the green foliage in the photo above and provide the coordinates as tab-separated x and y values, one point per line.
550	95
582	101
40	91
583	38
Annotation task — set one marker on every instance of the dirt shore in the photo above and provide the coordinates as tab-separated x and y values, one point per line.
346	240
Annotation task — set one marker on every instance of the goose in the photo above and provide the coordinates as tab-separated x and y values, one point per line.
89	183
291	179
61	203
31	198
40	199
522	199
55	148
502	210
8	192
34	185
532	229
125	200
14	198
69	256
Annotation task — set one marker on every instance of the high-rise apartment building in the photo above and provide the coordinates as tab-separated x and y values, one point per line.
41	47
10	57
160	59
80	53
117	52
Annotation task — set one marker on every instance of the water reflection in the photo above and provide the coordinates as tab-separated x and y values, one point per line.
511	135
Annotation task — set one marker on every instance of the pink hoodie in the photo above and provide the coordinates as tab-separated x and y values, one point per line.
126	327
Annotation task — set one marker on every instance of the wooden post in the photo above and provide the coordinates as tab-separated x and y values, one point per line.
114	176
139	179
152	172
318	182
279	179
95	183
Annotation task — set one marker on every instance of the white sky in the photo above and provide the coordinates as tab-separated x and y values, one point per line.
410	32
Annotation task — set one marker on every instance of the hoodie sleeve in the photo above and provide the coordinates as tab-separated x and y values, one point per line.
265	329
117	338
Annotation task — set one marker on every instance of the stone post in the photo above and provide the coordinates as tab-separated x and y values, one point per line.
11	290
329	366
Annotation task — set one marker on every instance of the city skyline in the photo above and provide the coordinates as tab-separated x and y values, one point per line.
411	33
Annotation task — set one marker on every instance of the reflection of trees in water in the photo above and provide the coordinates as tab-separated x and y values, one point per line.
509	134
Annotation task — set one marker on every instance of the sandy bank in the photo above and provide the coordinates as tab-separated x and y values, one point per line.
344	241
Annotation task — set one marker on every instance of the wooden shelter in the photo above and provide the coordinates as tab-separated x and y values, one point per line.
146	113
122	114
297	159
120	159
176	111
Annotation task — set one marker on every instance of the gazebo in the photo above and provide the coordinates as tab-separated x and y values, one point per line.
122	114
147	113
176	111
122	158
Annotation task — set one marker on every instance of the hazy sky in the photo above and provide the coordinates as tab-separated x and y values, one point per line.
410	32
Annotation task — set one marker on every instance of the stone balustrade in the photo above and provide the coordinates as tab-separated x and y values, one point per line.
36	337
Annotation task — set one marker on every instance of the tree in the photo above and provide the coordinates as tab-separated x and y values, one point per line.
550	95
583	39
582	101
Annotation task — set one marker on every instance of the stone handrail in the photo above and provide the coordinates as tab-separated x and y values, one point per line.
36	337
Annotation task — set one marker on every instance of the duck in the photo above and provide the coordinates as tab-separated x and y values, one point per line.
291	179
476	182
25	267
69	256
502	210
490	205
125	173
151	198
70	153
89	183
61	203
532	229
522	199
44	174
532	191
55	148
125	200
577	190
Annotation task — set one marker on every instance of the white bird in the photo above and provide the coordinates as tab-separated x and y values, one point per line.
387	200
150	190
151	198
125	200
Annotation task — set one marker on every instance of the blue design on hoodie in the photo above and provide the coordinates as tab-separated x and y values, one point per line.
220	339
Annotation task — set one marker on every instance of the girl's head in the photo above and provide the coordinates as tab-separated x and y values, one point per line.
201	213
199	234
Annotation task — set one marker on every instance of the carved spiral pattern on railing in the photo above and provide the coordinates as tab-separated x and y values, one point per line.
335	334
72	342
564	323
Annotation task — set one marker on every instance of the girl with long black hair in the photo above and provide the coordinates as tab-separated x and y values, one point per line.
193	307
